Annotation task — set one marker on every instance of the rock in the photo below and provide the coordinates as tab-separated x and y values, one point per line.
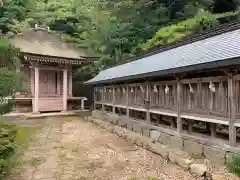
181	158
199	169
162	150
185	163
154	135
193	148
146	142
176	142
215	155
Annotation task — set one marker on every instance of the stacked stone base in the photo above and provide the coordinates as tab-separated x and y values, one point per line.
174	148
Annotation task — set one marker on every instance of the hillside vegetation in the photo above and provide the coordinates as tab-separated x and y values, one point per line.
116	30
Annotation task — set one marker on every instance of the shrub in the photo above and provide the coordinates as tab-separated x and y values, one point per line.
234	164
7	146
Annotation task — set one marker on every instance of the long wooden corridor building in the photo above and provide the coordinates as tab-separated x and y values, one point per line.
191	87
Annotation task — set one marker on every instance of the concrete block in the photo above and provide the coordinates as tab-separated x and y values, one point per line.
193	148
164	139
137	128
145	132
130	126
97	114
113	118
176	142
123	122
154	135
215	155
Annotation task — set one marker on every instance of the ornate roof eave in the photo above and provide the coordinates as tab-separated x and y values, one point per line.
61	60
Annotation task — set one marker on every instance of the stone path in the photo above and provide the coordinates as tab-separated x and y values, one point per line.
72	149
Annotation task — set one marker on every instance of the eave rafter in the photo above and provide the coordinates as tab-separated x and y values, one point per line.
60	60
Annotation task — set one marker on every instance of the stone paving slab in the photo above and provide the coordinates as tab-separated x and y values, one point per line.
77	150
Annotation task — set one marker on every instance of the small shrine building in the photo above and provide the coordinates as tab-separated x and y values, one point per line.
47	64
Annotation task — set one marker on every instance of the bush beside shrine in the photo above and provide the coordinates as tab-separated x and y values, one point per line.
8	133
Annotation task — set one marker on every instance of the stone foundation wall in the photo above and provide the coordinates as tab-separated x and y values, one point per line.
197	147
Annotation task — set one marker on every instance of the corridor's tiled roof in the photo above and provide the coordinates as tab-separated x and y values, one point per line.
210	52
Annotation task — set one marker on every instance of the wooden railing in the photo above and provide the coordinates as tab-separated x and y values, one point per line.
208	98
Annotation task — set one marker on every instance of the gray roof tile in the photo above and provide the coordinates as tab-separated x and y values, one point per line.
216	48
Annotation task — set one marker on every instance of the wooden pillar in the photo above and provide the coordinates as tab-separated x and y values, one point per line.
70	83
231	111
36	89
113	91
59	83
65	87
179	120
148	118
103	99
127	98
213	129
94	98
32	72
190	125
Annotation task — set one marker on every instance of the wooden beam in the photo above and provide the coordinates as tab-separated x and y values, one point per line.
204	79
231	111
179	119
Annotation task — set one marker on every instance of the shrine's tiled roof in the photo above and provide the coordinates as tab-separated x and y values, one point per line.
218	50
44	42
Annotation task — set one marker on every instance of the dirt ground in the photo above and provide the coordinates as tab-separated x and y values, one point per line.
72	149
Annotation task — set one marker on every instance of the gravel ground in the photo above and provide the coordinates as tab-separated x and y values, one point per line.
72	149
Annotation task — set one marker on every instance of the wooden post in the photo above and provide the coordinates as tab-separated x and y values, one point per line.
148	118
65	87
103	99
179	120
127	96
190	125
231	111
94	98
213	129
36	89
113	91
70	83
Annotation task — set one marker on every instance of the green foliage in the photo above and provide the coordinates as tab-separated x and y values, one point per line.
234	164
36	161
152	178
7	145
201	22
115	30
9	78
